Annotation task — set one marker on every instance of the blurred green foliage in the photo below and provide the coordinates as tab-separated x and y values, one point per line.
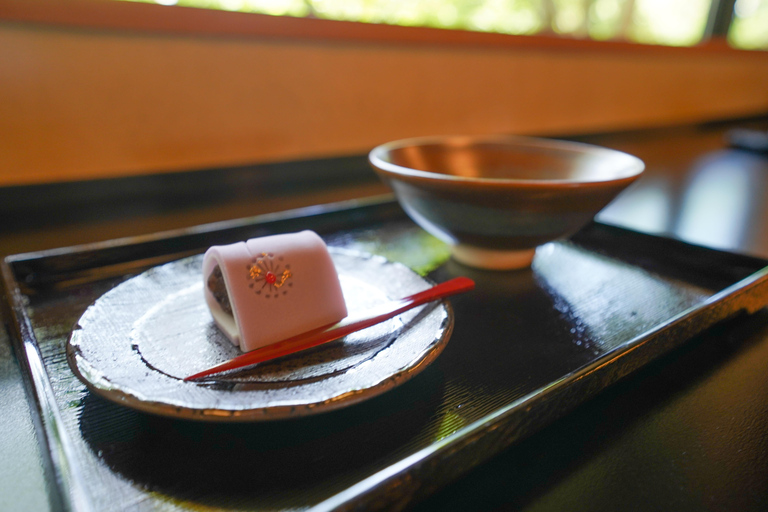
663	22
749	29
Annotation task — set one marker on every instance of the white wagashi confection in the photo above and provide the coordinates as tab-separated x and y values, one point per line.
270	288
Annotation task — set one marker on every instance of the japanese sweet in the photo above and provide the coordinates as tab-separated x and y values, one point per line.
267	289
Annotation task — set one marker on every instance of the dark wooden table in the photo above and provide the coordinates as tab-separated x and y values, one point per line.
687	432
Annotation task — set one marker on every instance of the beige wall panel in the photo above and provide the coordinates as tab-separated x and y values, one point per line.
78	104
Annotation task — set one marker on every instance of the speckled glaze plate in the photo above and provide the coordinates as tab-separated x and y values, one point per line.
138	341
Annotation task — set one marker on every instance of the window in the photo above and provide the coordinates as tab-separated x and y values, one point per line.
664	22
749	29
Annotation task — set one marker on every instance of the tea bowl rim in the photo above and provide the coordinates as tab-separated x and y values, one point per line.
633	168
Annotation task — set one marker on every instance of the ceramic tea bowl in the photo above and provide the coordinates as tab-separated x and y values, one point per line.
494	199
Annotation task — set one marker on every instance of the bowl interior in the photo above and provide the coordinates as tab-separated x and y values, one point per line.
508	159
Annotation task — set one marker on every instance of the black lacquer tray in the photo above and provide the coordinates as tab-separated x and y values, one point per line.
527	347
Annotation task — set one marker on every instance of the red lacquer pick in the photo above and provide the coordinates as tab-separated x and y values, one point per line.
347	326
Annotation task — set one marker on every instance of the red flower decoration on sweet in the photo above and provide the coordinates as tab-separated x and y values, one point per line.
266	270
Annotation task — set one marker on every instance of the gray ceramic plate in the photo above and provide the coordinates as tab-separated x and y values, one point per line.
135	344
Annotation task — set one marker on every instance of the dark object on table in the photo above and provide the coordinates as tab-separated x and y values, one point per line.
749	140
